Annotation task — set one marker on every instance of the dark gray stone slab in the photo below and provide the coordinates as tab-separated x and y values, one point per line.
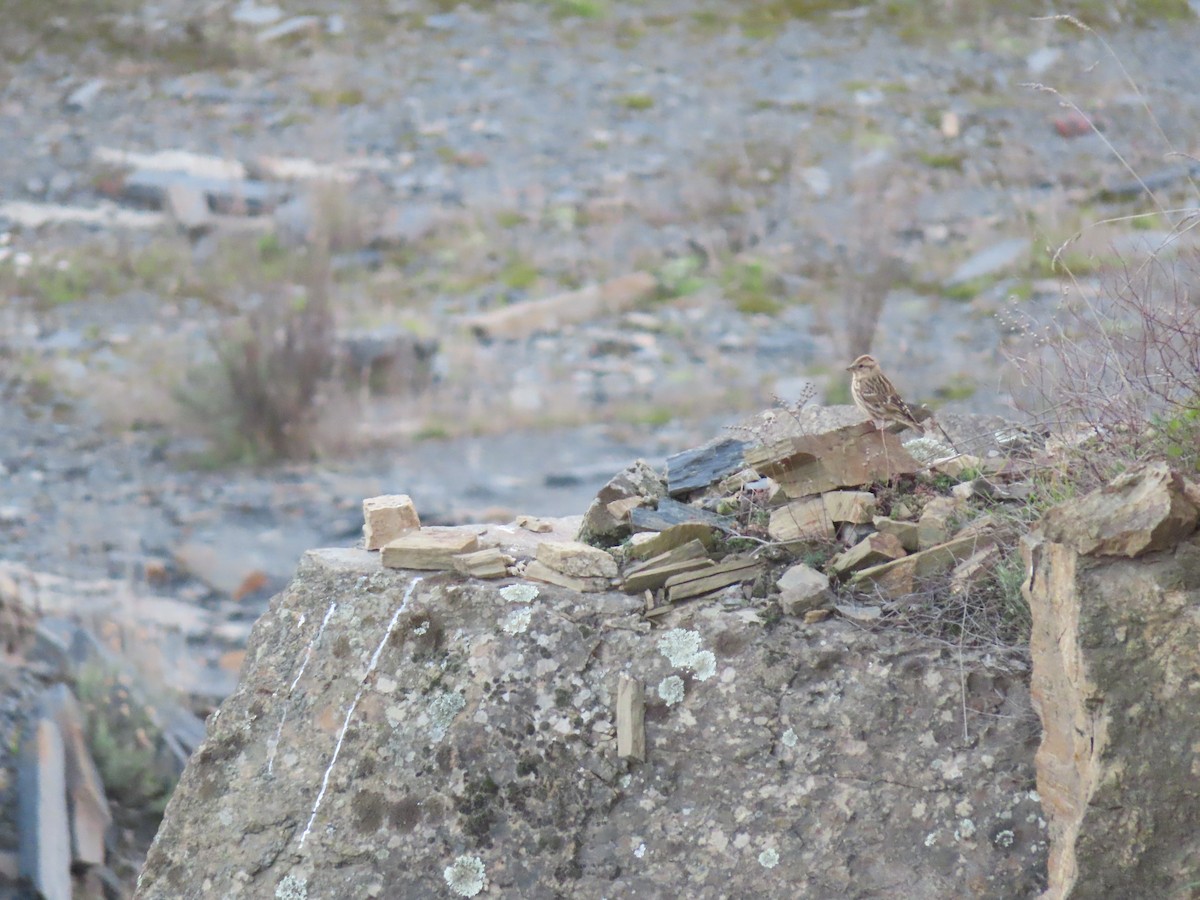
45	848
672	512
149	187
694	469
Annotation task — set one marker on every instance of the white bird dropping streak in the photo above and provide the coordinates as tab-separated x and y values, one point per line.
362	686
273	745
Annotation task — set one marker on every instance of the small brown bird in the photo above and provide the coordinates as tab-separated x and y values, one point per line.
875	395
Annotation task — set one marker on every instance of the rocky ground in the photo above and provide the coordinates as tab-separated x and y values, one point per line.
799	188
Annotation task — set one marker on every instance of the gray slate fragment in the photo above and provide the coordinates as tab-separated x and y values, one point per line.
149	187
292	27
694	469
45	850
81	98
672	512
188	206
1155	181
639	479
90	816
992	260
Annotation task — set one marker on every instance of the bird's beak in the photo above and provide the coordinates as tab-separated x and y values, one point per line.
849	368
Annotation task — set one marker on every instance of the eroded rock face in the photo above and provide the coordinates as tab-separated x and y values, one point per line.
1116	657
402	737
1142	511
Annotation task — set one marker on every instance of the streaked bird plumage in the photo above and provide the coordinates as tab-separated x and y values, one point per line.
877	397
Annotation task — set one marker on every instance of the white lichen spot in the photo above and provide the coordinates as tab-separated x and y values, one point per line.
385	685
704	664
919	809
466	876
789	738
769	858
1035	796
927	450
640	850
670	689
952	771
422	628
292	888
1004	838
442	711
965	830
679	646
682	649
963	809
518	620
931	838
519	593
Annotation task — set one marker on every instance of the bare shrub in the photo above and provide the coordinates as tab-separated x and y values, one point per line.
260	400
866	267
1116	370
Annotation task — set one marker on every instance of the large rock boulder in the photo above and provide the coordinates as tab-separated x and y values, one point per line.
398	736
1116	680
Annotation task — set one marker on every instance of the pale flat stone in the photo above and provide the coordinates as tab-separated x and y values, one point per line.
907	532
486	563
902	576
428	549
644	547
631	715
387	517
801	520
542	572
520	320
577	559
802	588
857	507
843	457
935	525
872	550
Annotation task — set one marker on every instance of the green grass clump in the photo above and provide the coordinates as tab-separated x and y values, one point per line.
519	274
753	288
636	102
582	9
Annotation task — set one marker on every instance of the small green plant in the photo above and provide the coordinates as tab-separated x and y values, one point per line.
752	287
951	161
123	739
1179	437
327	98
510	218
519	274
636	102
59	286
583	9
679	277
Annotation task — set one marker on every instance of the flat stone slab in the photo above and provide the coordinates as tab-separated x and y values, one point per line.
671	512
692	470
427	549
